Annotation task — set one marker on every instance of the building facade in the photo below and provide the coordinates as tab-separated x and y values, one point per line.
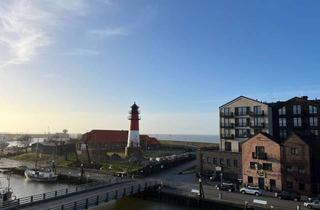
297	164
261	162
302	116
242	118
214	162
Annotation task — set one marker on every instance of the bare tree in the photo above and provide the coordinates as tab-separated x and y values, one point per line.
24	141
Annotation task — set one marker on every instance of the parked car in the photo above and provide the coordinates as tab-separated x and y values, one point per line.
314	197
251	190
226	187
315	204
289	195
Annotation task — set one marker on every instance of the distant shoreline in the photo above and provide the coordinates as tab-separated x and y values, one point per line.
188	138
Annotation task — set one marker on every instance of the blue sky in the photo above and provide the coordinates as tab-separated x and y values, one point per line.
80	64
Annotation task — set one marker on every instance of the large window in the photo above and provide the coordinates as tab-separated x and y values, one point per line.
260	150
243	122
282	111
267	166
257	110
227	146
242	133
228	163
313	109
258	121
297	122
282	122
250	180
235	163
296	109
294	151
315	132
313	121
283	134
242	110
301	171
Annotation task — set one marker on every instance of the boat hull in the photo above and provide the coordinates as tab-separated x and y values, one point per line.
37	178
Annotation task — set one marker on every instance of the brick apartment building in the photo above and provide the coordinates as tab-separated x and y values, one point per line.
242	118
297	164
261	162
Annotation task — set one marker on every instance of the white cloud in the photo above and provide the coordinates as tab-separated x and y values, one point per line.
27	26
110	31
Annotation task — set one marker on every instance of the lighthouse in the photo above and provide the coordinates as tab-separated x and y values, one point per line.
133	145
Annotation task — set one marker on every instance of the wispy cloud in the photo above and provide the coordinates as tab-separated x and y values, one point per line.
27	26
110	31
83	52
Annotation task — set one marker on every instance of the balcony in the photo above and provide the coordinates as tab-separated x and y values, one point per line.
244	136
242	125
227	114
257	113
227	136
259	125
227	125
239	114
260	156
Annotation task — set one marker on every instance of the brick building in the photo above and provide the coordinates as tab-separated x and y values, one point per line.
297	164
261	162
96	143
209	160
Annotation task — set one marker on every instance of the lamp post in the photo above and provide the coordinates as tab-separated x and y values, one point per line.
221	178
201	193
81	172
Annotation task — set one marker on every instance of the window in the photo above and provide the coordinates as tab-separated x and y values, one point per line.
283	134
301	186
250	180
282	111
235	163
296	109
253	165
289	169
315	132
258	121
313	109
313	121
294	151
272	183
257	110
242	110
267	166
282	122
226	111
297	122
221	161
227	146
228	163
289	185
243	122
208	160
301	171
259	150
214	161
242	133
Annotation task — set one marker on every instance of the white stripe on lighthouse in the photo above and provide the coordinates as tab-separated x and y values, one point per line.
133	139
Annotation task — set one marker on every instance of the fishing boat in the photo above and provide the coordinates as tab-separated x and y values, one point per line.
43	174
6	192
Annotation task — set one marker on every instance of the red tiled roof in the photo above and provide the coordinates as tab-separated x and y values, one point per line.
114	137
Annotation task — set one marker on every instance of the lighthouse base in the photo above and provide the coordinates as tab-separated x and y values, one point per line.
134	152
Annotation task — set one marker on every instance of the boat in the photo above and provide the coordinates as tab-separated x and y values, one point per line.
44	174
41	174
6	192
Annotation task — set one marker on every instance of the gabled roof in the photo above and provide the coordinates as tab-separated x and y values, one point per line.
242	97
264	134
303	138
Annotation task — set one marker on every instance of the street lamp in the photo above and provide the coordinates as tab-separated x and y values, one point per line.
201	193
221	178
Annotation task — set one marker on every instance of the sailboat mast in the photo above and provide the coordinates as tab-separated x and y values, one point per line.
37	156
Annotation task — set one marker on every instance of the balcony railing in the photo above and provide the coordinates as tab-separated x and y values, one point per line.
226	114
227	136
259	125
242	125
242	136
260	156
242	113
227	125
257	113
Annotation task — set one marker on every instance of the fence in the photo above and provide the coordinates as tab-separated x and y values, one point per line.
24	201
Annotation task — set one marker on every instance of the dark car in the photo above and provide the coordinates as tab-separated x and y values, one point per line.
226	187
289	195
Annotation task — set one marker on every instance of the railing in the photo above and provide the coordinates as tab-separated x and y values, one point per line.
257	113
242	125
53	194
227	114
259	125
227	125
223	136
261	156
108	196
